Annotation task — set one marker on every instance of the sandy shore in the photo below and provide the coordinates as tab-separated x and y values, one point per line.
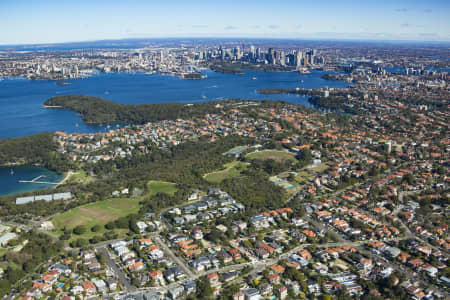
68	174
51	106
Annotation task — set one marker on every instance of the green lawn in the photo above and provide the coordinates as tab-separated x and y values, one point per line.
80	177
232	169
91	214
161	187
102	212
303	176
320	168
279	156
4	250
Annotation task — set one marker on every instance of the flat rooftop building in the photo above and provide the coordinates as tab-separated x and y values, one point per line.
49	197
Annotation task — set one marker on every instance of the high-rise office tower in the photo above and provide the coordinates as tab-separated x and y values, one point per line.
282	58
299	58
271	56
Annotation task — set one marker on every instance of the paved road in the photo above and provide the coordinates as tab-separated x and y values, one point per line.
18	225
172	256
119	273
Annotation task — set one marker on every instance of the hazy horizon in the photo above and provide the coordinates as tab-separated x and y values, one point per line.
51	21
118	41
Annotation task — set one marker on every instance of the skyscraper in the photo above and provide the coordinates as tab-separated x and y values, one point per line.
271	56
299	58
252	53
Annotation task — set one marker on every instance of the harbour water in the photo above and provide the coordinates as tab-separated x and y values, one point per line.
10	177
21	100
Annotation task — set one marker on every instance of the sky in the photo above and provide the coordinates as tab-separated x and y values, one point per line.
56	21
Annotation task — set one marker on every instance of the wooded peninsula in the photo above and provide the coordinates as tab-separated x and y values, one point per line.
98	110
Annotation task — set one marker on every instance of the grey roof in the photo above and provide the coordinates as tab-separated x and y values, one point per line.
43	197
4	239
49	197
152	296
132	297
190	284
62	196
251	292
60	267
24	200
176	291
392	251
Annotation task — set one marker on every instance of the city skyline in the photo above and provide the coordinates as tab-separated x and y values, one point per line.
58	22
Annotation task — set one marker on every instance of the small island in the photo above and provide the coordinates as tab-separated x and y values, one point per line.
191	76
61	82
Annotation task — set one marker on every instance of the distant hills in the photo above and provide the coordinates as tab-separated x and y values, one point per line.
132	43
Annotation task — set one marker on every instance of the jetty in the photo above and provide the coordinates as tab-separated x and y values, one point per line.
36	180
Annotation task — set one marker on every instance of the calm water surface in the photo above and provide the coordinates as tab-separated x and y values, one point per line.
9	181
21	111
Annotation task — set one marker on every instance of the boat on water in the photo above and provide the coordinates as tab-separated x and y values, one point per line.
253	78
12	172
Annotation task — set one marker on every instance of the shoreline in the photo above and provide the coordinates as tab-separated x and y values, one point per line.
66	177
51	106
30	188
85	124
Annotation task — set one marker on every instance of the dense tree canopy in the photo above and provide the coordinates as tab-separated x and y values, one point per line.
29	149
98	110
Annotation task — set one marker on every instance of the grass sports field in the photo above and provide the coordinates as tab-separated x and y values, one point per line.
320	168
102	212
276	155
232	169
161	187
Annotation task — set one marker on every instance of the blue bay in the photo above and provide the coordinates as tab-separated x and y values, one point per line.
21	100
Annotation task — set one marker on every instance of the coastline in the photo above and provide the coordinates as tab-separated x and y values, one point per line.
12	186
51	106
10	164
66	177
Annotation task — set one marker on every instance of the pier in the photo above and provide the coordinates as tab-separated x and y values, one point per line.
36	180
